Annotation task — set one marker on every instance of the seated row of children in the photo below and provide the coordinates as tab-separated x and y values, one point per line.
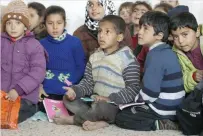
100	63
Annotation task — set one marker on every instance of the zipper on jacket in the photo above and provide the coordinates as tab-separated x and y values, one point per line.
13	46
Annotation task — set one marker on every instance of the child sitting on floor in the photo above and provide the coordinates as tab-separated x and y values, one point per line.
186	33
112	75
163	88
23	63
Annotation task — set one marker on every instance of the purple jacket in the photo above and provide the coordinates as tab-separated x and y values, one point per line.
23	66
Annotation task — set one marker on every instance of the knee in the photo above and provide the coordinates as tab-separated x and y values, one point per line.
72	106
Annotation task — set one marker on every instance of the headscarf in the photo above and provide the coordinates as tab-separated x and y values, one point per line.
109	9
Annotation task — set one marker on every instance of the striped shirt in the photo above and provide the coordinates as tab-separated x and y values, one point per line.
163	88
130	75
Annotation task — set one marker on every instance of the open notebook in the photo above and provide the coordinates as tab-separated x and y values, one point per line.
54	107
121	106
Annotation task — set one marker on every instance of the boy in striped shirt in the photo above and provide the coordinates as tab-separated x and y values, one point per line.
163	88
111	75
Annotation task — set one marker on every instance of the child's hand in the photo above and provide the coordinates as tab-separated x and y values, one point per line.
101	98
70	94
12	95
199	75
42	92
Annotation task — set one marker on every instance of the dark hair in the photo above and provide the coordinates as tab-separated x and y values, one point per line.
117	21
166	7
158	20
184	19
125	5
149	7
40	8
55	10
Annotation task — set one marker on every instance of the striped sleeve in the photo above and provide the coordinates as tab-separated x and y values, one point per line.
131	76
86	85
152	79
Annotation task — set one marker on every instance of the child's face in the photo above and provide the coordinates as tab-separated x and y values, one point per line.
95	10
107	37
35	19
125	13
146	35
185	39
15	28
137	13
55	25
173	3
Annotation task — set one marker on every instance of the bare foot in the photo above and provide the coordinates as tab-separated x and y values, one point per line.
88	125
63	120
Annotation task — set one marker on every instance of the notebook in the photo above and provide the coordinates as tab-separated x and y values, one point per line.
122	106
87	99
54	108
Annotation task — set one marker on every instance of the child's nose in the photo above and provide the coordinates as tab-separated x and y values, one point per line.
140	31
12	26
55	26
180	40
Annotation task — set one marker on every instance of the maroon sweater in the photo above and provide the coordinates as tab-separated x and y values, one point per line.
196	58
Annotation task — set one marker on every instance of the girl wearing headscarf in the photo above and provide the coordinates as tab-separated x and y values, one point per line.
87	33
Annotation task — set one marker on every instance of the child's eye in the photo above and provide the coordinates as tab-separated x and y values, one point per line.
135	10
175	37
99	4
31	15
107	31
8	23
145	28
90	5
184	35
18	22
99	31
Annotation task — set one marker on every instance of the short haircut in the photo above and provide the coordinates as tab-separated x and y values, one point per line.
40	8
158	20
55	10
166	7
125	5
148	6
184	19
117	21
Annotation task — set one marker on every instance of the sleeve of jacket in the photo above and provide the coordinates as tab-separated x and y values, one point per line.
86	85
37	72
189	83
152	79
79	57
131	76
187	69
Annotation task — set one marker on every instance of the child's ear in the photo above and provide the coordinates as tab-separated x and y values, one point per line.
198	33
120	37
159	36
41	19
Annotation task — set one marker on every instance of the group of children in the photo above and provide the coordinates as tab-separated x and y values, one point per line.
150	56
